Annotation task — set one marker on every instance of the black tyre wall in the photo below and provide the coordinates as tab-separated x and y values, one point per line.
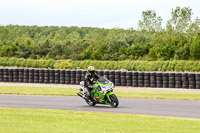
10	75
123	78
171	80
62	76
165	79
128	78
67	77
146	79
5	74
135	79
141	79
192	80
119	78
184	79
26	75
1	75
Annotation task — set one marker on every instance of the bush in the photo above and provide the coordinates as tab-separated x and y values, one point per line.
63	65
130	65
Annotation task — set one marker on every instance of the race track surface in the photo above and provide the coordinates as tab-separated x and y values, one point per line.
155	107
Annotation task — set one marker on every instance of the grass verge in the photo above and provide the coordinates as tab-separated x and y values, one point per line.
54	121
120	93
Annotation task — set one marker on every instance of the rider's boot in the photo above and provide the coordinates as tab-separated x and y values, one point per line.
89	98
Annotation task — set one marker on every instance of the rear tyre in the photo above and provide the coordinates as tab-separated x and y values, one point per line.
114	101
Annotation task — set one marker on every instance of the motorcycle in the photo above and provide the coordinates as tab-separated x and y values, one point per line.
103	94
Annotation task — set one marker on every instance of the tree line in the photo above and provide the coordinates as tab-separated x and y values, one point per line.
179	39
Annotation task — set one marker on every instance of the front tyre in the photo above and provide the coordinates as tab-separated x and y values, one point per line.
113	101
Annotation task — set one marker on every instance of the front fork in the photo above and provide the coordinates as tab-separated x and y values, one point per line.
108	97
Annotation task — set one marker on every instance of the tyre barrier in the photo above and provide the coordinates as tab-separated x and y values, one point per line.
119	78
152	79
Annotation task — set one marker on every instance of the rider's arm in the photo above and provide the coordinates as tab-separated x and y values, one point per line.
88	83
97	76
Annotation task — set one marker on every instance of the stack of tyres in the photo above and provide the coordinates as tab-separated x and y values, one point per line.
197	77
57	76
146	79
62	76
15	74
83	73
178	82
152	79
49	76
5	74
36	75
135	79
141	79
129	78
159	82
99	72
31	76
171	80
26	75
73	76
184	79
106	74
10	75
67	77
111	76
117	78
41	75
78	76
21	75
191	79
1	75
165	79
123	78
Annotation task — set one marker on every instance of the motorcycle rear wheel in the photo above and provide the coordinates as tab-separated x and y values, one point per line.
114	101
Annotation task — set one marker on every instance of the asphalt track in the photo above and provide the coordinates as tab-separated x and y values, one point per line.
155	107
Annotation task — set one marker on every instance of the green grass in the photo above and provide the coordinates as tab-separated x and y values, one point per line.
38	91
158	94
56	121
120	93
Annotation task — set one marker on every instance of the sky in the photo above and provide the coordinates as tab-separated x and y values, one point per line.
88	13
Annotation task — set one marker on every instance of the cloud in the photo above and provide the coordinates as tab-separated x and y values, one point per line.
108	13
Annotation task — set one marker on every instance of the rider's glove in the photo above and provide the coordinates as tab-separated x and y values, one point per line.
93	86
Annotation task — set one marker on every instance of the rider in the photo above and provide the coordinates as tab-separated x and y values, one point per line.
89	78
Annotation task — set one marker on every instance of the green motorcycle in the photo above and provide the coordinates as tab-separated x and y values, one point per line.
103	94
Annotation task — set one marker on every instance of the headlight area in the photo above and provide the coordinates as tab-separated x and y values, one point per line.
109	86
106	89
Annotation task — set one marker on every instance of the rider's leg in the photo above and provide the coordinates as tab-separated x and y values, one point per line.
89	95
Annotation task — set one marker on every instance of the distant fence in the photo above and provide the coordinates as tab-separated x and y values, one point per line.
119	78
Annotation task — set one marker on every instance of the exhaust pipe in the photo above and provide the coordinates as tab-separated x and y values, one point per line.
82	96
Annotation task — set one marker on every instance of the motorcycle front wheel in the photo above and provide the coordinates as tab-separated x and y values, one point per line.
114	101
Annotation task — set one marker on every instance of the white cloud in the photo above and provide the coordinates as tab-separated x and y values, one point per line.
108	13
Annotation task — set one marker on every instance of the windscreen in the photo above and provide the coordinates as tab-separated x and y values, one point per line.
103	80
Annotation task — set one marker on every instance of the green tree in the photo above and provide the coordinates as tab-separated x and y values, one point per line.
150	21
194	27
181	19
195	47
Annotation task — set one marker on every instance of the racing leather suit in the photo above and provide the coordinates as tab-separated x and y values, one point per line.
88	83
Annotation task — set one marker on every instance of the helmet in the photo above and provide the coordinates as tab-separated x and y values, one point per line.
91	70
